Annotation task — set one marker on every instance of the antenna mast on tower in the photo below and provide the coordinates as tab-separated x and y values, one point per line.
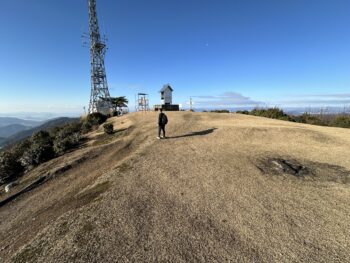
100	97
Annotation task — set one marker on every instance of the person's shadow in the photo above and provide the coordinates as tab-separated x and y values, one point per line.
199	133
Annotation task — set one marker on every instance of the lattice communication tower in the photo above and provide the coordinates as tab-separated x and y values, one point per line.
100	97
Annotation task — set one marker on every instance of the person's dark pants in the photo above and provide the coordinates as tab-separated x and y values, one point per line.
161	128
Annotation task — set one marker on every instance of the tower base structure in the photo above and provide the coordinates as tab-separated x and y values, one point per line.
167	107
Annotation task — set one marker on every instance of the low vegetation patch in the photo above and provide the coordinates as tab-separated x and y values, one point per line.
91	194
220	111
92	121
44	146
332	120
108	128
10	167
40	150
341	121
273	113
67	138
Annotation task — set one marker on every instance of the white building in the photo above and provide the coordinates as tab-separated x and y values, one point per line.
166	98
166	95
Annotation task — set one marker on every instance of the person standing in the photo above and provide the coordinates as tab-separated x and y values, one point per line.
162	121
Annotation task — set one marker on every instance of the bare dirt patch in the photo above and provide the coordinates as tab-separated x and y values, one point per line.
280	166
304	169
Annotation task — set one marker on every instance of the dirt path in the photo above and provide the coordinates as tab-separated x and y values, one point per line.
212	191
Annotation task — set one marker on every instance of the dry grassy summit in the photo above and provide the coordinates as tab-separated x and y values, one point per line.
221	188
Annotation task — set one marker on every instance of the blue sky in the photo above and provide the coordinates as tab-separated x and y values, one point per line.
223	53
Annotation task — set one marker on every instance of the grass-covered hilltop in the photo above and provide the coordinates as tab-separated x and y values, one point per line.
222	187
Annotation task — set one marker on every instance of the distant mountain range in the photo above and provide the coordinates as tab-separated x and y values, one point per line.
5	121
10	126
29	131
9	130
40	116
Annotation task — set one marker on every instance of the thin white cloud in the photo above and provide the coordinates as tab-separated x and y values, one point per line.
333	102
331	99
325	96
226	99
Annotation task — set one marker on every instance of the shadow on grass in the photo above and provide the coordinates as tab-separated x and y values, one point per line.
199	133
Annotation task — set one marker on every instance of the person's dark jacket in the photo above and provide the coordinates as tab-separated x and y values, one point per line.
161	118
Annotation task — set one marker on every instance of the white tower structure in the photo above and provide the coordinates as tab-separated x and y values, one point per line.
166	95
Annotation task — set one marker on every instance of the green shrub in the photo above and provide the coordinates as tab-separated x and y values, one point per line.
20	148
243	112
92	121
10	167
86	127
72	127
108	128
342	121
53	131
67	137
68	129
273	113
41	150
65	141
96	118
63	144
220	111
309	119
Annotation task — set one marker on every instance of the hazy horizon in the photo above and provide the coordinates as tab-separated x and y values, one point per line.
44	116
